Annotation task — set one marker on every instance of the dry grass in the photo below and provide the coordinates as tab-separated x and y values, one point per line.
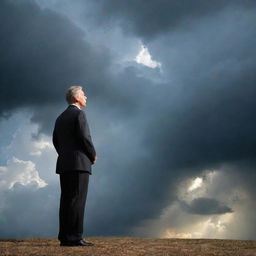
122	246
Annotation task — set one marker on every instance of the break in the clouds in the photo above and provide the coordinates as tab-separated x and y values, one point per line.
144	58
172	120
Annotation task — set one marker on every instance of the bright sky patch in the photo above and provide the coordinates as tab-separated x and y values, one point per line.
144	58
197	182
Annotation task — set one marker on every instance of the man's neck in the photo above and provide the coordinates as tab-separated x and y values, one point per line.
76	105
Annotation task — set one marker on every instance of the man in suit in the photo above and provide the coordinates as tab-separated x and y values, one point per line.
76	153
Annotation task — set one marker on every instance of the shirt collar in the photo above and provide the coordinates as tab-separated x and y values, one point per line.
76	106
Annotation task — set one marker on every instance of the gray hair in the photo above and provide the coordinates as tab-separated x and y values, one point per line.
72	92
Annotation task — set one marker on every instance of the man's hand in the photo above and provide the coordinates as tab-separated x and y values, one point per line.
94	161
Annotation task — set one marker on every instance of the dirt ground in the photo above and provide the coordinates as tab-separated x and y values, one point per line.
122	246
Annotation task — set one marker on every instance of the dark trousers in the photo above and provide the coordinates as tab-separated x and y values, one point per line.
74	187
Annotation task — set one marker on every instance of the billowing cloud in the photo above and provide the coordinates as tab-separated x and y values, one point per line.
19	171
227	187
205	206
151	18
152	130
42	54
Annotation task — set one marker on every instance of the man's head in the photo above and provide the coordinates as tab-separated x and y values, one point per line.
75	95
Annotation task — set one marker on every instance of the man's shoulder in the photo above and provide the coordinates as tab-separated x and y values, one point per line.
69	112
71	109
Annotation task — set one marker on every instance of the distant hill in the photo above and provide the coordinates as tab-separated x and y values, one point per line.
122	246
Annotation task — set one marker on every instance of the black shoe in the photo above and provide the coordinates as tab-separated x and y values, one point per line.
76	243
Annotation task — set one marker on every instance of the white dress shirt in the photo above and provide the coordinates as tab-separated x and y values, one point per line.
76	106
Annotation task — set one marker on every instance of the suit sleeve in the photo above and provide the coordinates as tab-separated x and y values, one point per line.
85	137
55	140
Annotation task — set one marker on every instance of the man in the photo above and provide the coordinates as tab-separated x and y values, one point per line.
76	153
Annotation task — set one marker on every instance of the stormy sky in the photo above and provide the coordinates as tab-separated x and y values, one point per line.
171	99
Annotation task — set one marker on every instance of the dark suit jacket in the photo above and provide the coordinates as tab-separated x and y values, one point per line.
72	141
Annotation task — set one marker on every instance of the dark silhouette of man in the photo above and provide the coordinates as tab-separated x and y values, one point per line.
76	154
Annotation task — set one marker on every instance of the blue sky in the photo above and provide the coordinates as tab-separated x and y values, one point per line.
170	87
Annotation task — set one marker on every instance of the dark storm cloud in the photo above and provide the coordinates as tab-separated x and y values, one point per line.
203	117
162	132
42	53
147	18
211	98
205	206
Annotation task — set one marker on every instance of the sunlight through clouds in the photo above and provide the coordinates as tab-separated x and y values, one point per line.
177	222
144	58
196	184
172	233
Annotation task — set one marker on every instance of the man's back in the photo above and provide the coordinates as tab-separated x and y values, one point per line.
72	141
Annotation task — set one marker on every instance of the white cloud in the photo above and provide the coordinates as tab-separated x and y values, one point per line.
144	58
19	171
24	146
197	182
39	146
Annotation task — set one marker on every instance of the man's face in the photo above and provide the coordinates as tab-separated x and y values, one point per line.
81	99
